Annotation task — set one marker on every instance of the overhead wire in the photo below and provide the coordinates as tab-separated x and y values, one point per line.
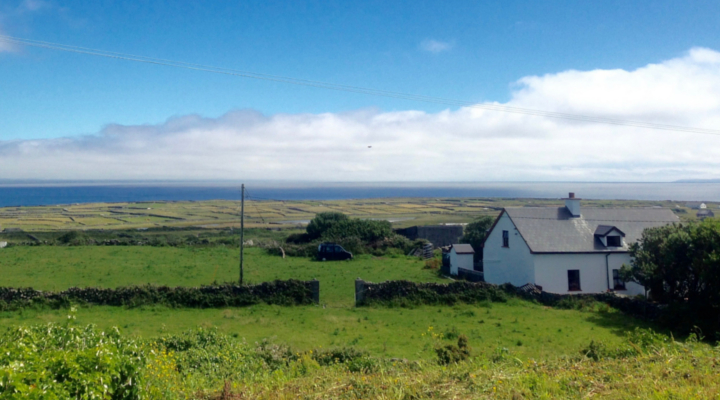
356	89
247	196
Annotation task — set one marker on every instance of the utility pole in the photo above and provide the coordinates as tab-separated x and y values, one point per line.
242	229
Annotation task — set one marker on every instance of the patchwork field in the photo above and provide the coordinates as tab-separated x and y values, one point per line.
529	330
223	214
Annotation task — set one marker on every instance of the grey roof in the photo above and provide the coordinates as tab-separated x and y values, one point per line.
463	248
603	230
554	230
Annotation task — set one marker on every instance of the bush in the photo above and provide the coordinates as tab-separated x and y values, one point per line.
680	266
452	354
433	263
339	356
75	238
298	238
365	230
323	222
52	361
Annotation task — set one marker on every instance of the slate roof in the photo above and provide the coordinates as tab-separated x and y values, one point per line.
705	213
463	249
554	230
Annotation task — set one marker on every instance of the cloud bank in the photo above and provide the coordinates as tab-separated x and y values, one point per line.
468	144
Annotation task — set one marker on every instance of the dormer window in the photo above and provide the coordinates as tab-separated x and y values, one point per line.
614	241
609	236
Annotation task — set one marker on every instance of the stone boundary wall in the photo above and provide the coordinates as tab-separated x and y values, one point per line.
472	276
290	292
413	293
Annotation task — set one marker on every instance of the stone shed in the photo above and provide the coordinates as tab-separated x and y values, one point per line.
438	235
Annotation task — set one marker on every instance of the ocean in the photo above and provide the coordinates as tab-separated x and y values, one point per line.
29	194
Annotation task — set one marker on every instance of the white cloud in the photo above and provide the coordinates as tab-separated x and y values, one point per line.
435	46
469	144
6	47
32	5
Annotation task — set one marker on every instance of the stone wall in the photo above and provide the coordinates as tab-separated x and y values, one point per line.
412	293
290	292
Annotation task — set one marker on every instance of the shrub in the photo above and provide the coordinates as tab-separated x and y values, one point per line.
433	263
324	222
339	356
298	238
365	230
453	354
75	238
52	361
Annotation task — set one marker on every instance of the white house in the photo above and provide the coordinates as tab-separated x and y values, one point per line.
696	205
461	257
567	249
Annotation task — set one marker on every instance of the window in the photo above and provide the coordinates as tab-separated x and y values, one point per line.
573	280
338	249
506	239
614	241
618	283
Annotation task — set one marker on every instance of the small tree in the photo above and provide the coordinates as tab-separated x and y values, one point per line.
474	234
678	263
323	222
364	229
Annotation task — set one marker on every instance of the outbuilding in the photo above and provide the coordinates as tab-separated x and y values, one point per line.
461	257
705	213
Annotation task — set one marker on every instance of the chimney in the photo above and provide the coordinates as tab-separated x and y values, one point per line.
573	205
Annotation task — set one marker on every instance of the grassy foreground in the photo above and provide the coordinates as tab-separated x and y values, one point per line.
75	361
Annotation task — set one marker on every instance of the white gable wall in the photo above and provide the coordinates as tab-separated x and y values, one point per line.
512	264
464	261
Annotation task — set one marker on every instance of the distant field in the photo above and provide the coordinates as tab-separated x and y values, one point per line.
527	329
223	214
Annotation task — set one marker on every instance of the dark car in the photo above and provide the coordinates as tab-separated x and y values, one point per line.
332	251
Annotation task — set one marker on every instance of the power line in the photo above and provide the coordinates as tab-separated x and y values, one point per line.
253	204
356	89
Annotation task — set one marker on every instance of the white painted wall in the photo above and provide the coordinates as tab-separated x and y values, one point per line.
551	272
512	264
464	261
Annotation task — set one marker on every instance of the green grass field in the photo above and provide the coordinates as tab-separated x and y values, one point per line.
528	329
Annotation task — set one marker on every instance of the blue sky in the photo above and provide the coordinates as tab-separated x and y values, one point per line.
520	53
376	44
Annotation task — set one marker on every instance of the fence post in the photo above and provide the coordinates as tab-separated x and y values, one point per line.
359	291
315	288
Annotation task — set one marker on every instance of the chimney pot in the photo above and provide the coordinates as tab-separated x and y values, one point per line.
571	195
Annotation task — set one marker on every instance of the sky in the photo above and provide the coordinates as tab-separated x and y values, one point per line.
74	116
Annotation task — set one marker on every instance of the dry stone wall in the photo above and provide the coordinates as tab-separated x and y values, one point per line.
290	292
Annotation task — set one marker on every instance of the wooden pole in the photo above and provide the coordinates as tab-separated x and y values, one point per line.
242	229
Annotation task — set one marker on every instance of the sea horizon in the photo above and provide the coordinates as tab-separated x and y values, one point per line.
45	193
